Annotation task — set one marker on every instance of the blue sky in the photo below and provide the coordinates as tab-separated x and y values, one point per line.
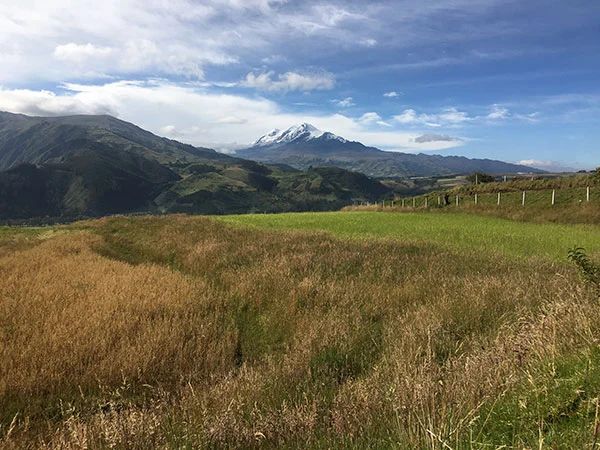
511	80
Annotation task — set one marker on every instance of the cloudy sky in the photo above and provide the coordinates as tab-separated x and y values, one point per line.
502	79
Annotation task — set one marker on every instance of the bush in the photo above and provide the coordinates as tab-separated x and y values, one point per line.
589	270
480	177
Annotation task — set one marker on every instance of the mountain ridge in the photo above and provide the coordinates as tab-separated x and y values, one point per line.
81	166
308	148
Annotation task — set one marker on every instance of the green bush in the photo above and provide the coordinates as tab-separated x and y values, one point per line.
589	270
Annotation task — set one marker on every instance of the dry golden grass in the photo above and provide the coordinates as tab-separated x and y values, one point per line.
183	332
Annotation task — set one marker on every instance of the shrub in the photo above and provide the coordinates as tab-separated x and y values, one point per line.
589	270
480	177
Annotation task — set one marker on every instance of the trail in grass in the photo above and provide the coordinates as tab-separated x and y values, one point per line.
459	231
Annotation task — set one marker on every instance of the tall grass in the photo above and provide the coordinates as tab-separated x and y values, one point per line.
186	332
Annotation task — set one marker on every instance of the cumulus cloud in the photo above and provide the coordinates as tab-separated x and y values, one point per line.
289	81
371	118
498	113
47	103
449	117
392	94
345	103
430	137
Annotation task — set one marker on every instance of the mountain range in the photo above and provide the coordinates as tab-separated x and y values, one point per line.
303	146
81	166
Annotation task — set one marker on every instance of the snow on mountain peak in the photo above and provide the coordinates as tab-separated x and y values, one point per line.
303	132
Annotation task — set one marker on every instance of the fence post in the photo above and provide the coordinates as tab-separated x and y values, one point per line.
403	203
523	198
439	200
426	202
456	199
553	196
498	197
414	202
588	193
392	203
505	178
475	198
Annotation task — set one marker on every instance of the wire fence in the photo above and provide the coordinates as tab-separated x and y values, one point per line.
546	197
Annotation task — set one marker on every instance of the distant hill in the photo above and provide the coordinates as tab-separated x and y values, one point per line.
303	145
96	165
39	140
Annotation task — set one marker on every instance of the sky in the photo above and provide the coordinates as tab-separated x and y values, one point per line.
517	81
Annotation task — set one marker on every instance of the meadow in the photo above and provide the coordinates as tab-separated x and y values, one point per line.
325	330
460	232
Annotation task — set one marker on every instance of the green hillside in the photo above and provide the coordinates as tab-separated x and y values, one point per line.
60	168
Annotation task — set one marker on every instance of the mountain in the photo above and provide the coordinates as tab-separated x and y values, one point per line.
302	146
300	133
80	166
39	140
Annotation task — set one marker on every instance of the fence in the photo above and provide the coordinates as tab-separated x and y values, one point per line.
550	197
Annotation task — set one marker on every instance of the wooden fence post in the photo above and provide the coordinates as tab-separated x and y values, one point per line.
475	198
498	197
439	200
426	202
456	199
414	202
588	193
403	203
523	198
553	196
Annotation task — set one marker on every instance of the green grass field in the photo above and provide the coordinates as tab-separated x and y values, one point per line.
458	231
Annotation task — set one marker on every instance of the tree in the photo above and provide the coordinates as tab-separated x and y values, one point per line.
480	177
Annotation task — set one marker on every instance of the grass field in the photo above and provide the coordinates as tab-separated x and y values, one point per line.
460	232
335	330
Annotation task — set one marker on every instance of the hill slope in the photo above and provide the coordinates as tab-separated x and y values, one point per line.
39	140
303	146
96	165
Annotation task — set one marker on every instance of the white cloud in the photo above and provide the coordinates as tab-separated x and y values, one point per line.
199	117
168	130
410	117
550	166
232	120
290	81
78	53
452	117
392	94
370	117
369	42
331	15
345	103
498	113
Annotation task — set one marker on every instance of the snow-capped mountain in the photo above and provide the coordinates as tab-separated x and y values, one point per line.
303	146
303	132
